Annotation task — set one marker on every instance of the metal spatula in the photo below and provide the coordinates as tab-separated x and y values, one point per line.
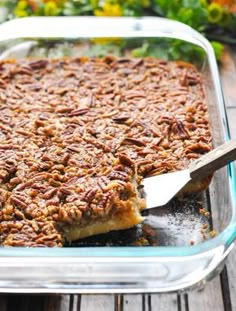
160	189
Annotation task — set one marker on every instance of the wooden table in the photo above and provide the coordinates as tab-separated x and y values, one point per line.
218	295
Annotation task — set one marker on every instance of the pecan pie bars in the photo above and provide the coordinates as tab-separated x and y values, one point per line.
78	135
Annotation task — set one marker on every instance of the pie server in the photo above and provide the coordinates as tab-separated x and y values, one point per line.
160	189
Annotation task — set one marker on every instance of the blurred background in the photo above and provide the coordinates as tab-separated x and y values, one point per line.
216	19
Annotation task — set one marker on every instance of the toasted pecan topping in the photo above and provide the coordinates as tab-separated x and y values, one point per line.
74	133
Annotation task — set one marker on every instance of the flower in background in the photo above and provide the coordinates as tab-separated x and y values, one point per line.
224	2
33	5
109	9
215	13
50	8
58	2
37	7
230	5
21	9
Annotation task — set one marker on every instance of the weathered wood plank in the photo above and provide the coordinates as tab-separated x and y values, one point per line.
209	298
146	302
132	302
231	113
225	290
119	302
232	277
97	302
230	96
163	302
57	303
74	303
228	76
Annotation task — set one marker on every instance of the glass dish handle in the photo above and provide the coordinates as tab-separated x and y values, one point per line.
74	27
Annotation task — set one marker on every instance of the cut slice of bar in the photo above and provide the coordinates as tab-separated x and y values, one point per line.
124	213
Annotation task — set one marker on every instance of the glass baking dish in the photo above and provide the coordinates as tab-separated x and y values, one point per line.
174	264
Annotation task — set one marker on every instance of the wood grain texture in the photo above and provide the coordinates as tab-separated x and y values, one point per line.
57	303
119	302
232	277
231	113
208	299
231	271
229	89
132	302
225	288
228	76
97	302
164	302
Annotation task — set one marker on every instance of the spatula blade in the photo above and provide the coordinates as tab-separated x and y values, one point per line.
160	189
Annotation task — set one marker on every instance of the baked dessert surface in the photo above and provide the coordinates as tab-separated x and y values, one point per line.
77	136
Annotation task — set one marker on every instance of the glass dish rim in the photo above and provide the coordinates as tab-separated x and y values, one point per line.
137	27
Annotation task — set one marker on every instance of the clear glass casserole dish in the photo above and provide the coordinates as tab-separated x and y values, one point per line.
171	266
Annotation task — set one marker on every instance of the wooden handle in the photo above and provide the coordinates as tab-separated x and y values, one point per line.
213	160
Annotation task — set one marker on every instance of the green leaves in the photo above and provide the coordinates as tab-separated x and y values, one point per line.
169	49
71	8
218	49
190	12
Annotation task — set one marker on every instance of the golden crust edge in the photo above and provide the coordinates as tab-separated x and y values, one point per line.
122	218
